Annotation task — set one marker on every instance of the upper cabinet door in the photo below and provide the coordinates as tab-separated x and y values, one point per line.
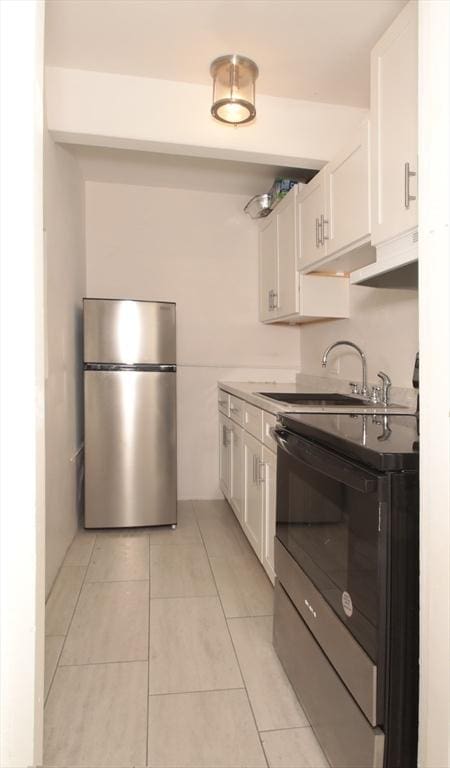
347	221
268	269
311	215
393	99
287	299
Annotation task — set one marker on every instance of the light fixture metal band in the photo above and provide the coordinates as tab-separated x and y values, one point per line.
226	102
235	59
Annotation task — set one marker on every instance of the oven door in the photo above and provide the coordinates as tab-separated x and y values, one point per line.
332	519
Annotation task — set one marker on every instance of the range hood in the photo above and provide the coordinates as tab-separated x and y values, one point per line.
395	265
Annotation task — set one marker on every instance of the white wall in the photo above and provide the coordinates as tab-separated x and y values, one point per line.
66	279
434	277
122	111
22	449
383	322
200	250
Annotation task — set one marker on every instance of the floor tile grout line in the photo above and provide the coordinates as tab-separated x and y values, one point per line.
54	671
149	628
115	581
198	690
235	653
206	597
186	597
67	566
288	728
103	663
71	619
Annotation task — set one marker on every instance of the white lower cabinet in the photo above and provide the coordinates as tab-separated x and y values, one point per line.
269	511
225	465
248	471
236	495
253	478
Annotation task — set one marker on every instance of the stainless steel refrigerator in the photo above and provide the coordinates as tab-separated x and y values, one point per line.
130	413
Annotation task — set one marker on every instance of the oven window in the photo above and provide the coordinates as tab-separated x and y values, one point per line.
331	530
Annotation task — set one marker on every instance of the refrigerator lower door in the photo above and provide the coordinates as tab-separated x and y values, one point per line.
130	448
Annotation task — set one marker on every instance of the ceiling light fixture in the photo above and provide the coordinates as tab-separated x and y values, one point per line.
233	89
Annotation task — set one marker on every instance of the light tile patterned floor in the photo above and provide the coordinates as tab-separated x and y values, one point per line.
159	653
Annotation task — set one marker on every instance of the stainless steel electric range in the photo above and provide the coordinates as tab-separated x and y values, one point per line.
347	565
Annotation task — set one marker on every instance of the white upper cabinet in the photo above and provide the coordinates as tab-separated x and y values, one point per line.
311	215
347	217
268	269
334	211
287	259
393	99
284	294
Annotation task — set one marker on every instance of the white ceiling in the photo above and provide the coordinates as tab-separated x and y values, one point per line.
305	49
120	166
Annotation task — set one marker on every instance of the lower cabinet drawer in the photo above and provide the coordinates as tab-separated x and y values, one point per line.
237	408
253	420
269	421
223	401
341	729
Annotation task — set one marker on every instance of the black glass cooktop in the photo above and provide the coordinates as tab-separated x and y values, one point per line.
382	441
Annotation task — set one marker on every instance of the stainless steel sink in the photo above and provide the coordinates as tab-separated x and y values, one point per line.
313	398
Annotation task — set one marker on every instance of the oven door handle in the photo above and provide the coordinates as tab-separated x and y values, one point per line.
325	462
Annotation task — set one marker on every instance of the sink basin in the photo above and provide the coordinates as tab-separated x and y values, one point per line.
313	398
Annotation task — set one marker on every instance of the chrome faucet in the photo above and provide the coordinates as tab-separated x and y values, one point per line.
363	390
386	384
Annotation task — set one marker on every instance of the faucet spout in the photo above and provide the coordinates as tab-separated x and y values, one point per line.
364	388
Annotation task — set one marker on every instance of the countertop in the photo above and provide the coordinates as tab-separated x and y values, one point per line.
247	390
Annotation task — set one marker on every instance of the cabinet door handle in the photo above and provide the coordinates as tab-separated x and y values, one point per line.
262	471
323	221
270	300
254	468
317	233
408	196
275	300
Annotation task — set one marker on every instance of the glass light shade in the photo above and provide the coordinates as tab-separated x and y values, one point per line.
233	89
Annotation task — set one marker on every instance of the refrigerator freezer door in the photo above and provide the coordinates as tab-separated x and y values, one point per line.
130	448
129	332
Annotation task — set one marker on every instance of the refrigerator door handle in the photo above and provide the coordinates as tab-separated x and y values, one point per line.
145	367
